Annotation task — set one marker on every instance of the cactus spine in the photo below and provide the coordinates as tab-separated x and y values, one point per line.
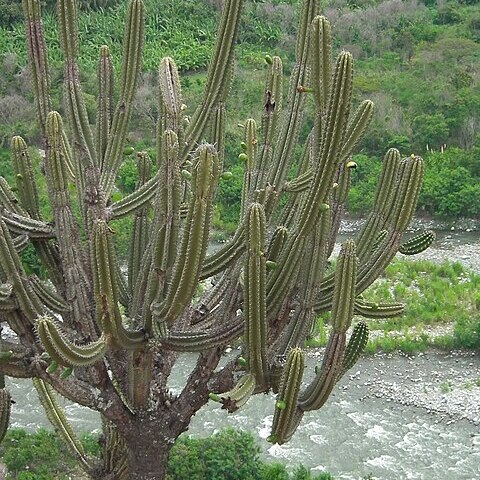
122	333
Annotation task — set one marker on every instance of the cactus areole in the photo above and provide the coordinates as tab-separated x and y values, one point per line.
108	340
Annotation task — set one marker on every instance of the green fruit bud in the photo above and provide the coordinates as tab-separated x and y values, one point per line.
66	373
186	175
226	175
243	157
271	265
4	356
244	146
241	361
281	404
214	397
128	151
268	59
52	367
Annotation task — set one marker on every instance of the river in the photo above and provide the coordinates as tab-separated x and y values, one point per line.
394	416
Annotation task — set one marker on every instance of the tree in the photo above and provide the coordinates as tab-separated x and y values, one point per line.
109	341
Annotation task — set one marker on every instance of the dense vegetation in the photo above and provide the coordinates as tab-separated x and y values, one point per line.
419	61
230	454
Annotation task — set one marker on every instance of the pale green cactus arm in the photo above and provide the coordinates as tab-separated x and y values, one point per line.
317	393
50	298
72	254
255	307
25	177
378	310
194	236
56	416
356	345
75	105
141	224
11	264
106	290
65	352
38	59
286	417
5	408
104	102
418	243
238	395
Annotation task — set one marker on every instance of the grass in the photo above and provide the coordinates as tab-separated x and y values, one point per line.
435	295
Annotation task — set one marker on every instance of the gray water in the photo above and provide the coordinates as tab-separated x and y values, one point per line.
362	429
395	417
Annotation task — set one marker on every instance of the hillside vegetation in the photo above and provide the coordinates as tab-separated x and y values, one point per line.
419	61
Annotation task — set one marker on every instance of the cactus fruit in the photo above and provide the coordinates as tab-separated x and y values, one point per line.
123	332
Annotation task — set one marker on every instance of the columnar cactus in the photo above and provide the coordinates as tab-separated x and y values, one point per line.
108	340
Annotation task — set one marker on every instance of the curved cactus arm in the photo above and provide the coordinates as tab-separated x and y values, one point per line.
171	98
135	200
418	243
201	341
21	225
37	51
321	51
317	393
72	254
319	390
277	243
132	59
326	161
28	194
238	395
255	308
285	419
382	204
74	101
114	451
289	128
141	224
356	128
28	301
404	201
164	235
25	177
250	159
8	200
339	195
106	289
57	418
226	255
194	241
218	82
356	344
104	102
299	184
272	109
5	408
50	298
65	352
218	129
21	243
6	290
378	310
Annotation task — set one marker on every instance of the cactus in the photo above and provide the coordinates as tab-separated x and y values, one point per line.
109	340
